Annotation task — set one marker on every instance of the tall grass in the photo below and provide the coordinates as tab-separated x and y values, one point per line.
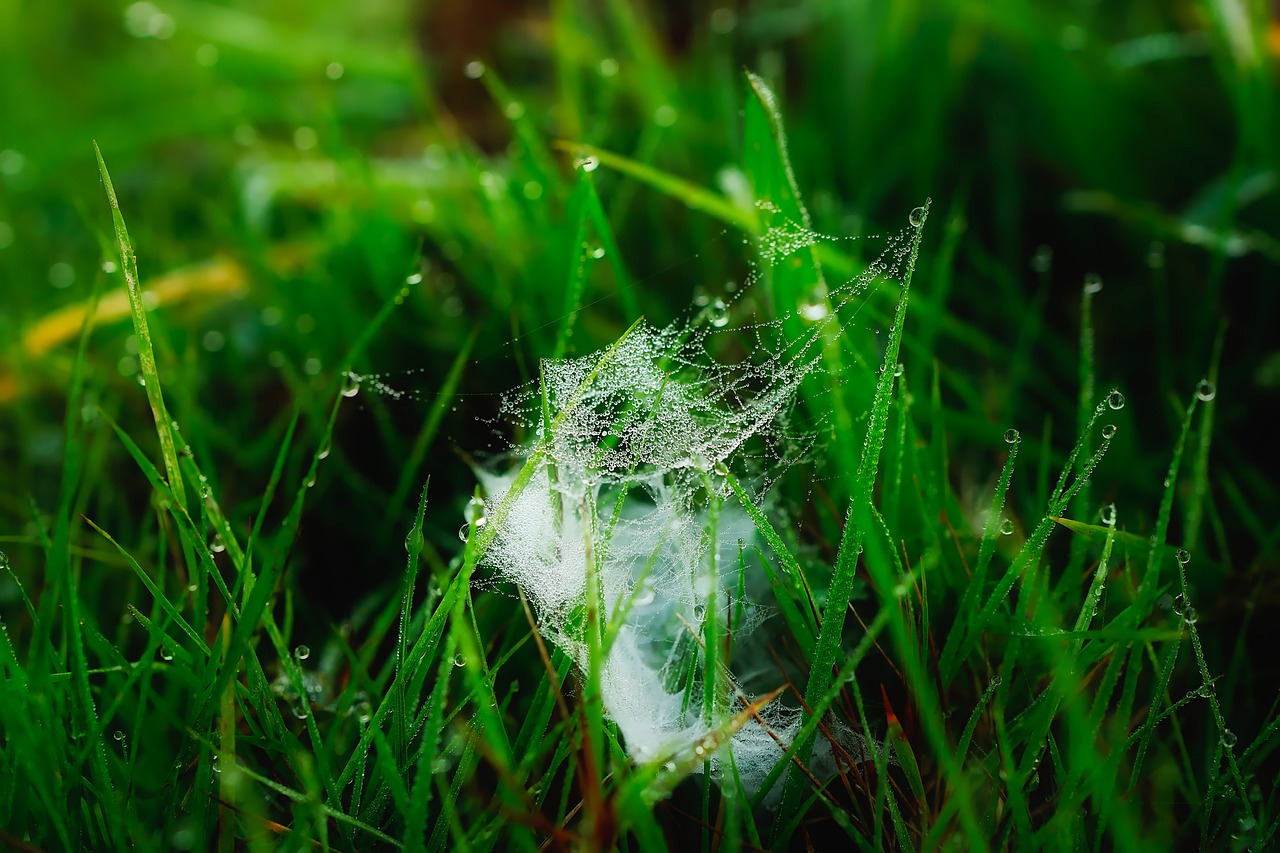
237	610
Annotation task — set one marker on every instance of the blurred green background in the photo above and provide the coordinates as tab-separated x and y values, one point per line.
285	166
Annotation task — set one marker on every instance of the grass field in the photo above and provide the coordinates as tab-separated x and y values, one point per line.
641	425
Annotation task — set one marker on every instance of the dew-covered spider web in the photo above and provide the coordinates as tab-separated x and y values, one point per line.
628	505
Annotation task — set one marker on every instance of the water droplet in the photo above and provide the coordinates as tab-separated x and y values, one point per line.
216	764
1180	604
165	654
302	652
718	313
1191	615
1206	390
644	595
917	217
1042	260
310	482
351	384
1012	436
459	660
334	70
413	541
1092	283
898	369
464	532
900	590
1108	514
191	587
608	67
1183	556
413	279
362	711
814	308
109	267
587	163
1206	690
217	546
119	735
1006	527
1109	431
1115	400
514	110
323	453
300	709
597	253
474	69
1228	738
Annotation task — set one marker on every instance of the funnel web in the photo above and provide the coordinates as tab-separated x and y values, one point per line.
632	454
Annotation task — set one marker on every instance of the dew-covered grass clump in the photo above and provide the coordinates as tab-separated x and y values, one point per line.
509	426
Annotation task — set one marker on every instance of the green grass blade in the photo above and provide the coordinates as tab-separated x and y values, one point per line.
146	353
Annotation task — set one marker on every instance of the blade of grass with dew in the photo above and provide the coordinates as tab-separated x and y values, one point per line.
768	165
797	279
186	527
832	622
268	495
802	619
416	535
157	594
251	615
685	191
1088	379
420	793
1035	544
146	353
973	591
1227	740
1146	589
329	811
1200	460
892	500
423	651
